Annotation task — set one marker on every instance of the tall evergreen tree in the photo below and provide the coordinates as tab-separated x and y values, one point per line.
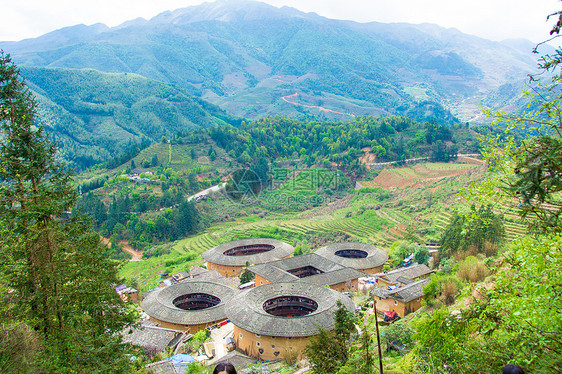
328	351
55	267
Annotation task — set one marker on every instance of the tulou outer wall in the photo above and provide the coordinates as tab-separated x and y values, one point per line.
260	281
350	286
375	270
403	309
269	348
226	270
174	326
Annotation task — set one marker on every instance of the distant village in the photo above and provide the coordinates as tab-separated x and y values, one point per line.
274	315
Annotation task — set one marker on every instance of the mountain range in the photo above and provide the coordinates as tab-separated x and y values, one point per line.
252	60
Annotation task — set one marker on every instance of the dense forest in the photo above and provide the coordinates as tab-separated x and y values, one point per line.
122	219
94	116
260	146
387	138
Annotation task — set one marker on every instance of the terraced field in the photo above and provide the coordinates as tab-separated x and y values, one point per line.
513	225
378	218
422	173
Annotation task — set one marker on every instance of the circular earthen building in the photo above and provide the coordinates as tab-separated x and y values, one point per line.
230	258
277	319
189	306
360	256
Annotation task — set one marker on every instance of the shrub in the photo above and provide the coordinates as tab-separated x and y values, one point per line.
449	292
444	287
472	270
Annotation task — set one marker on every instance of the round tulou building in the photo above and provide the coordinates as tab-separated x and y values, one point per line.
230	258
189	306
277	319
360	256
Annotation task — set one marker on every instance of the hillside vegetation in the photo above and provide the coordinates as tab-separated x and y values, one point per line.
375	215
94	116
314	163
246	56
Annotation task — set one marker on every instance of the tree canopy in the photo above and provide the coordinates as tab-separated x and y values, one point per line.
59	280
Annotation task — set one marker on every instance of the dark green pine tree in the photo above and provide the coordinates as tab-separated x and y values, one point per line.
54	267
328	351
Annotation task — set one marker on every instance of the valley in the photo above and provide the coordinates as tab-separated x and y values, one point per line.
243	183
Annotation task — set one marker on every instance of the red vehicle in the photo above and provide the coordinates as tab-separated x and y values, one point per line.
391	316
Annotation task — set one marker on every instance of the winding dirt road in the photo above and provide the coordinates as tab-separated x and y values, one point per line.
135	255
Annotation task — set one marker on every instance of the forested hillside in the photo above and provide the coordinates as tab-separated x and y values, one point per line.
281	152
384	139
94	116
247	56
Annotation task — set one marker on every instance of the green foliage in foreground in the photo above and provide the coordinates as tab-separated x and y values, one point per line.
328	351
55	276
517	322
479	231
514	317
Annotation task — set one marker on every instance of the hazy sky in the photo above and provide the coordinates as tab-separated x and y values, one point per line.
491	19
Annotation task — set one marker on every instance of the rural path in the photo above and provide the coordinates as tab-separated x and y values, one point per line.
135	255
218	337
410	160
205	192
322	109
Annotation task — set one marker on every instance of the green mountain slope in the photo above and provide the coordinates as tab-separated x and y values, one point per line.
246	56
94	116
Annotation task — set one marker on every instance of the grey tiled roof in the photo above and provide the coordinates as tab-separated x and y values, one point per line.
158	303
196	270
239	360
181	275
152	336
375	256
405	294
312	259
216	254
412	272
205	276
333	273
404	280
246	310
273	273
334	277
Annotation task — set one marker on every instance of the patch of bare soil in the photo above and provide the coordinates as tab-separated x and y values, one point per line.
321	109
135	255
388	178
470	160
398	230
368	158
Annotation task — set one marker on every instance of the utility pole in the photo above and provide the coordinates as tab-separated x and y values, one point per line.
378	335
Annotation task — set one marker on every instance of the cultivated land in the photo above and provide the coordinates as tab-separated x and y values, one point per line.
401	200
